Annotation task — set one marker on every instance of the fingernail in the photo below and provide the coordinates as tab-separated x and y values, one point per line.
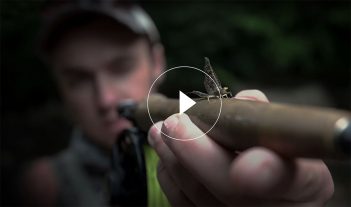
171	122
249	98
152	134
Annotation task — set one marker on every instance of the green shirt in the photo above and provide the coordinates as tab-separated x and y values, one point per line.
156	197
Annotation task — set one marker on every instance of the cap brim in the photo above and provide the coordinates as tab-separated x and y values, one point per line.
133	18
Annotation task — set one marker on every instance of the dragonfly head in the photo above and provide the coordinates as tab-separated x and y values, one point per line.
226	91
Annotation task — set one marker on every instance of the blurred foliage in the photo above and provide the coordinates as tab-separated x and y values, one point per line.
267	42
274	43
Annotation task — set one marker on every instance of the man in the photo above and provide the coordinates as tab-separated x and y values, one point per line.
100	54
107	53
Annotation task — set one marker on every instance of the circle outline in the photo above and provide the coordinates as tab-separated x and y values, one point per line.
153	83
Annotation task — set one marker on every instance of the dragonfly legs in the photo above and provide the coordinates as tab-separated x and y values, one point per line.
205	95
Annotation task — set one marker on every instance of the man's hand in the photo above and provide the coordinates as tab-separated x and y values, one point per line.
202	173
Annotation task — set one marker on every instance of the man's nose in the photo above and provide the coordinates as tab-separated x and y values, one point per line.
106	94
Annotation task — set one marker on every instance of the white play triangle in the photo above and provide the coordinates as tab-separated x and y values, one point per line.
185	102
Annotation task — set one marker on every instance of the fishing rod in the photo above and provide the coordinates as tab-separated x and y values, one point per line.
289	130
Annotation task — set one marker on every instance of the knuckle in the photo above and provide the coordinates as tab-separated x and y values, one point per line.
326	185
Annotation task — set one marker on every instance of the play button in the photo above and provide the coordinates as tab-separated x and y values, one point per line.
180	103
185	102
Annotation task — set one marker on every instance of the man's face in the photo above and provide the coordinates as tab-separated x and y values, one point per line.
97	66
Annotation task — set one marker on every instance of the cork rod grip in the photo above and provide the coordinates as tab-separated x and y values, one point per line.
291	131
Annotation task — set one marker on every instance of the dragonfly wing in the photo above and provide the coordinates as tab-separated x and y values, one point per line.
210	85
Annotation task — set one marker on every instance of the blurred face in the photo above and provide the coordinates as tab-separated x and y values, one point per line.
97	66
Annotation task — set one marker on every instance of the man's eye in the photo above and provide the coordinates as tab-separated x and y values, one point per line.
122	69
77	81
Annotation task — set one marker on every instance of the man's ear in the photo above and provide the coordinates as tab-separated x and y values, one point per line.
159	61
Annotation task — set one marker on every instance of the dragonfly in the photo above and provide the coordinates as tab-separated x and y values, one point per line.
212	85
